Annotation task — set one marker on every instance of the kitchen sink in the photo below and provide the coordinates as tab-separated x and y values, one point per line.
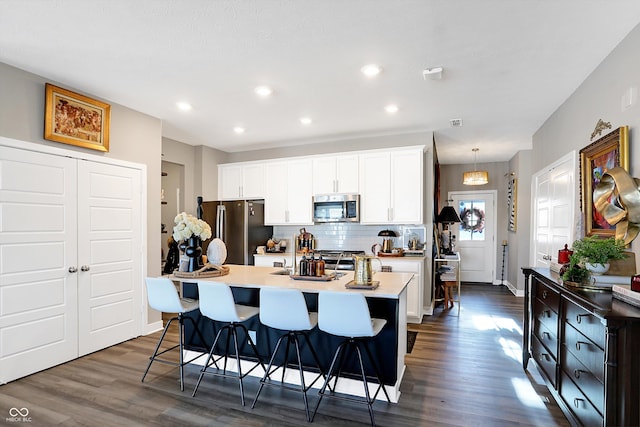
281	273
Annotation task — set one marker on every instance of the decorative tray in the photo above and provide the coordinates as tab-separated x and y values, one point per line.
324	278
353	285
386	254
209	270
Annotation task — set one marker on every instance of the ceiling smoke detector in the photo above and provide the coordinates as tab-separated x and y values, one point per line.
455	123
434	73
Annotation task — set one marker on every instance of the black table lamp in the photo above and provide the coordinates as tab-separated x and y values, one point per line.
448	215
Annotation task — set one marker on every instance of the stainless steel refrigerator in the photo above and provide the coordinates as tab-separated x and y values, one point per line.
240	225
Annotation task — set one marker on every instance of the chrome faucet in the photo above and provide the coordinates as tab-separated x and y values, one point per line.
338	262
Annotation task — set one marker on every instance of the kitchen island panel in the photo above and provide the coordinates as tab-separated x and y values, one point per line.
387	302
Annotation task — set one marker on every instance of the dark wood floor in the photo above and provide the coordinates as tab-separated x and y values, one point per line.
463	371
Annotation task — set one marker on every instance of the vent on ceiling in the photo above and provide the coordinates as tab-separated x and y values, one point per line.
455	123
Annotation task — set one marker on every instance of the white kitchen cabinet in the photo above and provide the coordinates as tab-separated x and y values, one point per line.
288	192
71	258
335	174
415	288
241	181
391	187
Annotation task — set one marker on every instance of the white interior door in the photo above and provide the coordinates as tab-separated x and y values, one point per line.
38	234
109	255
553	204
475	235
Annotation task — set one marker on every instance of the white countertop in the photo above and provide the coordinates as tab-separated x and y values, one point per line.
288	255
391	284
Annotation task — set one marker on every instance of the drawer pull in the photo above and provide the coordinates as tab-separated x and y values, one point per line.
545	294
546	335
579	317
547	313
577	402
577	372
579	343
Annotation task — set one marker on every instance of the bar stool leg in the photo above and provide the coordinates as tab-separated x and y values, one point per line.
267	371
155	352
315	358
326	381
364	381
180	344
235	344
377	372
206	365
302	384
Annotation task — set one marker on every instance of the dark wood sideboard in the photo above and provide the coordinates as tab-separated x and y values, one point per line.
586	345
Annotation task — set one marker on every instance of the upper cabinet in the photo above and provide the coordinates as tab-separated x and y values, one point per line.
288	192
389	181
335	174
391	187
241	181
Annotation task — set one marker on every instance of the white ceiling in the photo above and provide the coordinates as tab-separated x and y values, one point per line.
508	64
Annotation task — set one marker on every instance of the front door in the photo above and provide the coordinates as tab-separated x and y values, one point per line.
475	234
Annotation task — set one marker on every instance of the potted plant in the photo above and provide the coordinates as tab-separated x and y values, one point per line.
595	252
574	273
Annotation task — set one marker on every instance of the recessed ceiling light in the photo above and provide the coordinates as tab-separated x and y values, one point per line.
391	108
305	120
184	106
238	129
371	70
263	91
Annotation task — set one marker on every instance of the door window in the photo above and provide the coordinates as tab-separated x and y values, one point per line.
472	217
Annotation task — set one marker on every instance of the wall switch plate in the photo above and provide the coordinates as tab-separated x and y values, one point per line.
629	98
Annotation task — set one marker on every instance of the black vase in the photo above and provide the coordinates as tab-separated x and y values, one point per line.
194	252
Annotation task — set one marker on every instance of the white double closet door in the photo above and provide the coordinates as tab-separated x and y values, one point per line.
70	259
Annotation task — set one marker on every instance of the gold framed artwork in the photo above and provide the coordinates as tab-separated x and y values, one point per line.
71	118
595	159
512	193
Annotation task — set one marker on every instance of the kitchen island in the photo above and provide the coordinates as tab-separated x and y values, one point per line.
388	301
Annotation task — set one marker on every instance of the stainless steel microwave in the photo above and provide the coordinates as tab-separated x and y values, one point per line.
336	208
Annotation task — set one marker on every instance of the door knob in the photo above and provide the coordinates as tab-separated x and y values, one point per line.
85	268
73	270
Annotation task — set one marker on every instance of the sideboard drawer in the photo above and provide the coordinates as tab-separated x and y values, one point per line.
586	413
585	351
548	296
544	314
588	324
545	360
591	387
546	337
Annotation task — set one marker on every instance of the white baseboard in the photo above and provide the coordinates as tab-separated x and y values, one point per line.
153	327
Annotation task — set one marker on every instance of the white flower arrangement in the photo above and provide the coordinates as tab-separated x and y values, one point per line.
188	225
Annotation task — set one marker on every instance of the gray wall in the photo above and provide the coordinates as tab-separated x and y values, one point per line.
134	137
451	180
201	170
519	241
355	144
570	126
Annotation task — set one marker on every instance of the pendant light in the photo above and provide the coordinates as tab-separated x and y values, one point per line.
475	177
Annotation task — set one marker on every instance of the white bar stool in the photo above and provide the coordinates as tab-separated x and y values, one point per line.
347	315
217	303
163	296
286	309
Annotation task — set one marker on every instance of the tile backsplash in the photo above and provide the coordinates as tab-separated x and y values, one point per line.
347	236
